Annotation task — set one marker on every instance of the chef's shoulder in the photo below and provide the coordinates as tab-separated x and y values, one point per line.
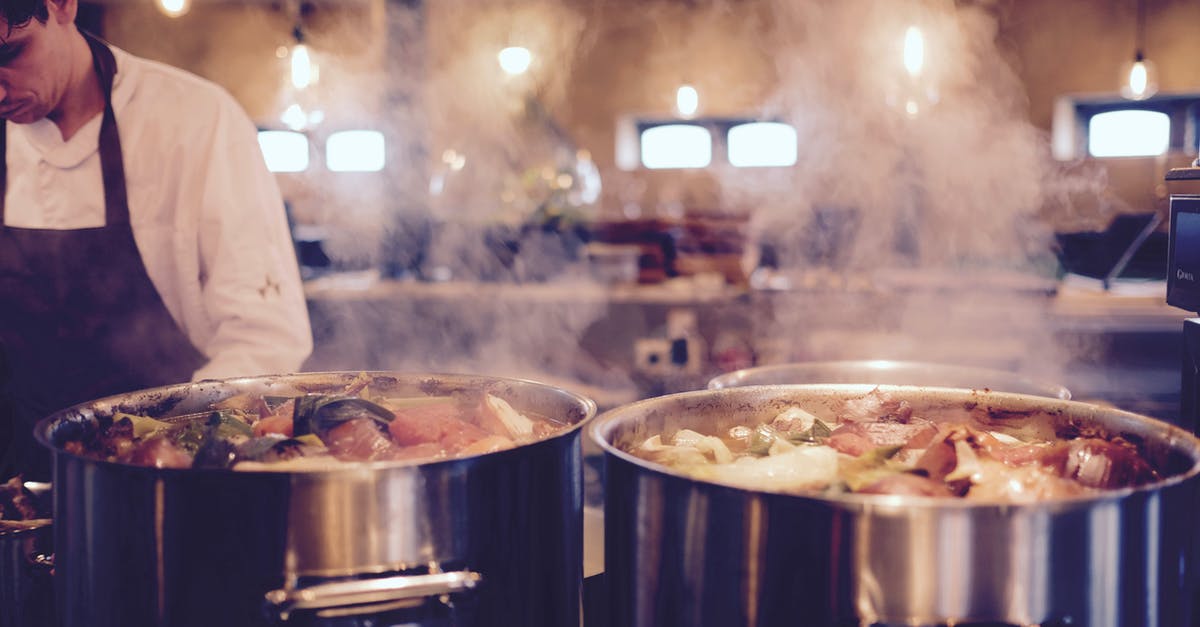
158	94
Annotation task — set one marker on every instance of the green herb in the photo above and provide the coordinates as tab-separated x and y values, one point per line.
860	472
761	440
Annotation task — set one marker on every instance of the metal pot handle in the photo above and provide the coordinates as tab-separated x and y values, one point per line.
362	596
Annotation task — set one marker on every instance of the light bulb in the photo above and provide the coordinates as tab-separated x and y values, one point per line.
914	51
515	60
303	72
174	8
687	100
1139	79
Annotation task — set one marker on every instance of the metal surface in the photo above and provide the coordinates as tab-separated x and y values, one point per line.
370	593
146	546
888	372
683	552
26	585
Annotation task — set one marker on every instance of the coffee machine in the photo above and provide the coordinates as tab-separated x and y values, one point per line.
1183	282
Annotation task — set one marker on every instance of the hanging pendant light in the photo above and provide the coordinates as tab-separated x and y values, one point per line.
1139	78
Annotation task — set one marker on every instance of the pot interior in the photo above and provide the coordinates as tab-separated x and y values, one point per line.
1172	451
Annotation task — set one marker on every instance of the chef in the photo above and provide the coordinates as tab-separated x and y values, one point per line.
142	242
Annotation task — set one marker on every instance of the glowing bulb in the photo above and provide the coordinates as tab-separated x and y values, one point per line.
687	100
1140	79
174	8
303	71
914	51
515	60
1137	79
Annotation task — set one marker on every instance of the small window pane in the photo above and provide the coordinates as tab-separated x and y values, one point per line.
760	144
284	151
1129	133
355	151
676	146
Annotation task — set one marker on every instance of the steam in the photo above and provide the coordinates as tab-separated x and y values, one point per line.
939	177
917	223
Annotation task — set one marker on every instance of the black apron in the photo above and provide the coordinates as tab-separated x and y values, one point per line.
79	317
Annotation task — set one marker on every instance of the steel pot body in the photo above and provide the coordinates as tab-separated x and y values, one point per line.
497	535
683	552
889	372
26	584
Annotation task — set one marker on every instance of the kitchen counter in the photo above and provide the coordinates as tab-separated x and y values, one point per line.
1119	346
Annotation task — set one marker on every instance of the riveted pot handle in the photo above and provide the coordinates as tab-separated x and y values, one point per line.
362	596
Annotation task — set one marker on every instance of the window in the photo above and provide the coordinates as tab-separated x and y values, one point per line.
1115	127
699	143
761	144
284	151
1129	133
355	151
676	146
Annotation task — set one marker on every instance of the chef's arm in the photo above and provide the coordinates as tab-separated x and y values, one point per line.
251	288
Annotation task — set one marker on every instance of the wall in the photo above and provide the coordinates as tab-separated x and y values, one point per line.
1078	47
597	61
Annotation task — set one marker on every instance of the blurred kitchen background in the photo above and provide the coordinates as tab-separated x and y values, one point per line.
627	197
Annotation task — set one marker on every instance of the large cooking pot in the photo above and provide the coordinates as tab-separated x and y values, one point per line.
685	552
891	372
26	584
492	539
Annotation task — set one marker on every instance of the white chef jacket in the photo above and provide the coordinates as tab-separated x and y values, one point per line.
206	213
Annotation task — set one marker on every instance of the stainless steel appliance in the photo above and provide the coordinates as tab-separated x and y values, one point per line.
1183	282
681	552
493	539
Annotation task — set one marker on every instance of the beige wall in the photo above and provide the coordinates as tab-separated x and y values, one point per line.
1078	47
597	61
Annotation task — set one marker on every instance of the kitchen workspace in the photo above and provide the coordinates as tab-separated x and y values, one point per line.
577	313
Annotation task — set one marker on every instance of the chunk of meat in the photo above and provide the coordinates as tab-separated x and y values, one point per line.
280	421
850	438
876	406
434	423
360	440
856	438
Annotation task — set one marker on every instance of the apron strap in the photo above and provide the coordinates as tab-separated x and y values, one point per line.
112	166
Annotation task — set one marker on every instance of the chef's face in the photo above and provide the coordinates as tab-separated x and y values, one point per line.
34	72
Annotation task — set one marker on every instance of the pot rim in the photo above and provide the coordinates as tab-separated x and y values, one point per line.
42	429
1049	389
33	527
606	423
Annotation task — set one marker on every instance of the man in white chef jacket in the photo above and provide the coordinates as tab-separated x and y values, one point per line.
143	240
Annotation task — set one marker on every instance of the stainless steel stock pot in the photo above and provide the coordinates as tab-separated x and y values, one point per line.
492	539
686	552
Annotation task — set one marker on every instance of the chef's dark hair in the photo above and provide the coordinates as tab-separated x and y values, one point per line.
18	13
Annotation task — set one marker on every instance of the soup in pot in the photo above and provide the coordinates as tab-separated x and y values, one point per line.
881	444
314	431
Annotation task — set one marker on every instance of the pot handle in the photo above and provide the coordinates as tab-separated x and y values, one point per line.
362	596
